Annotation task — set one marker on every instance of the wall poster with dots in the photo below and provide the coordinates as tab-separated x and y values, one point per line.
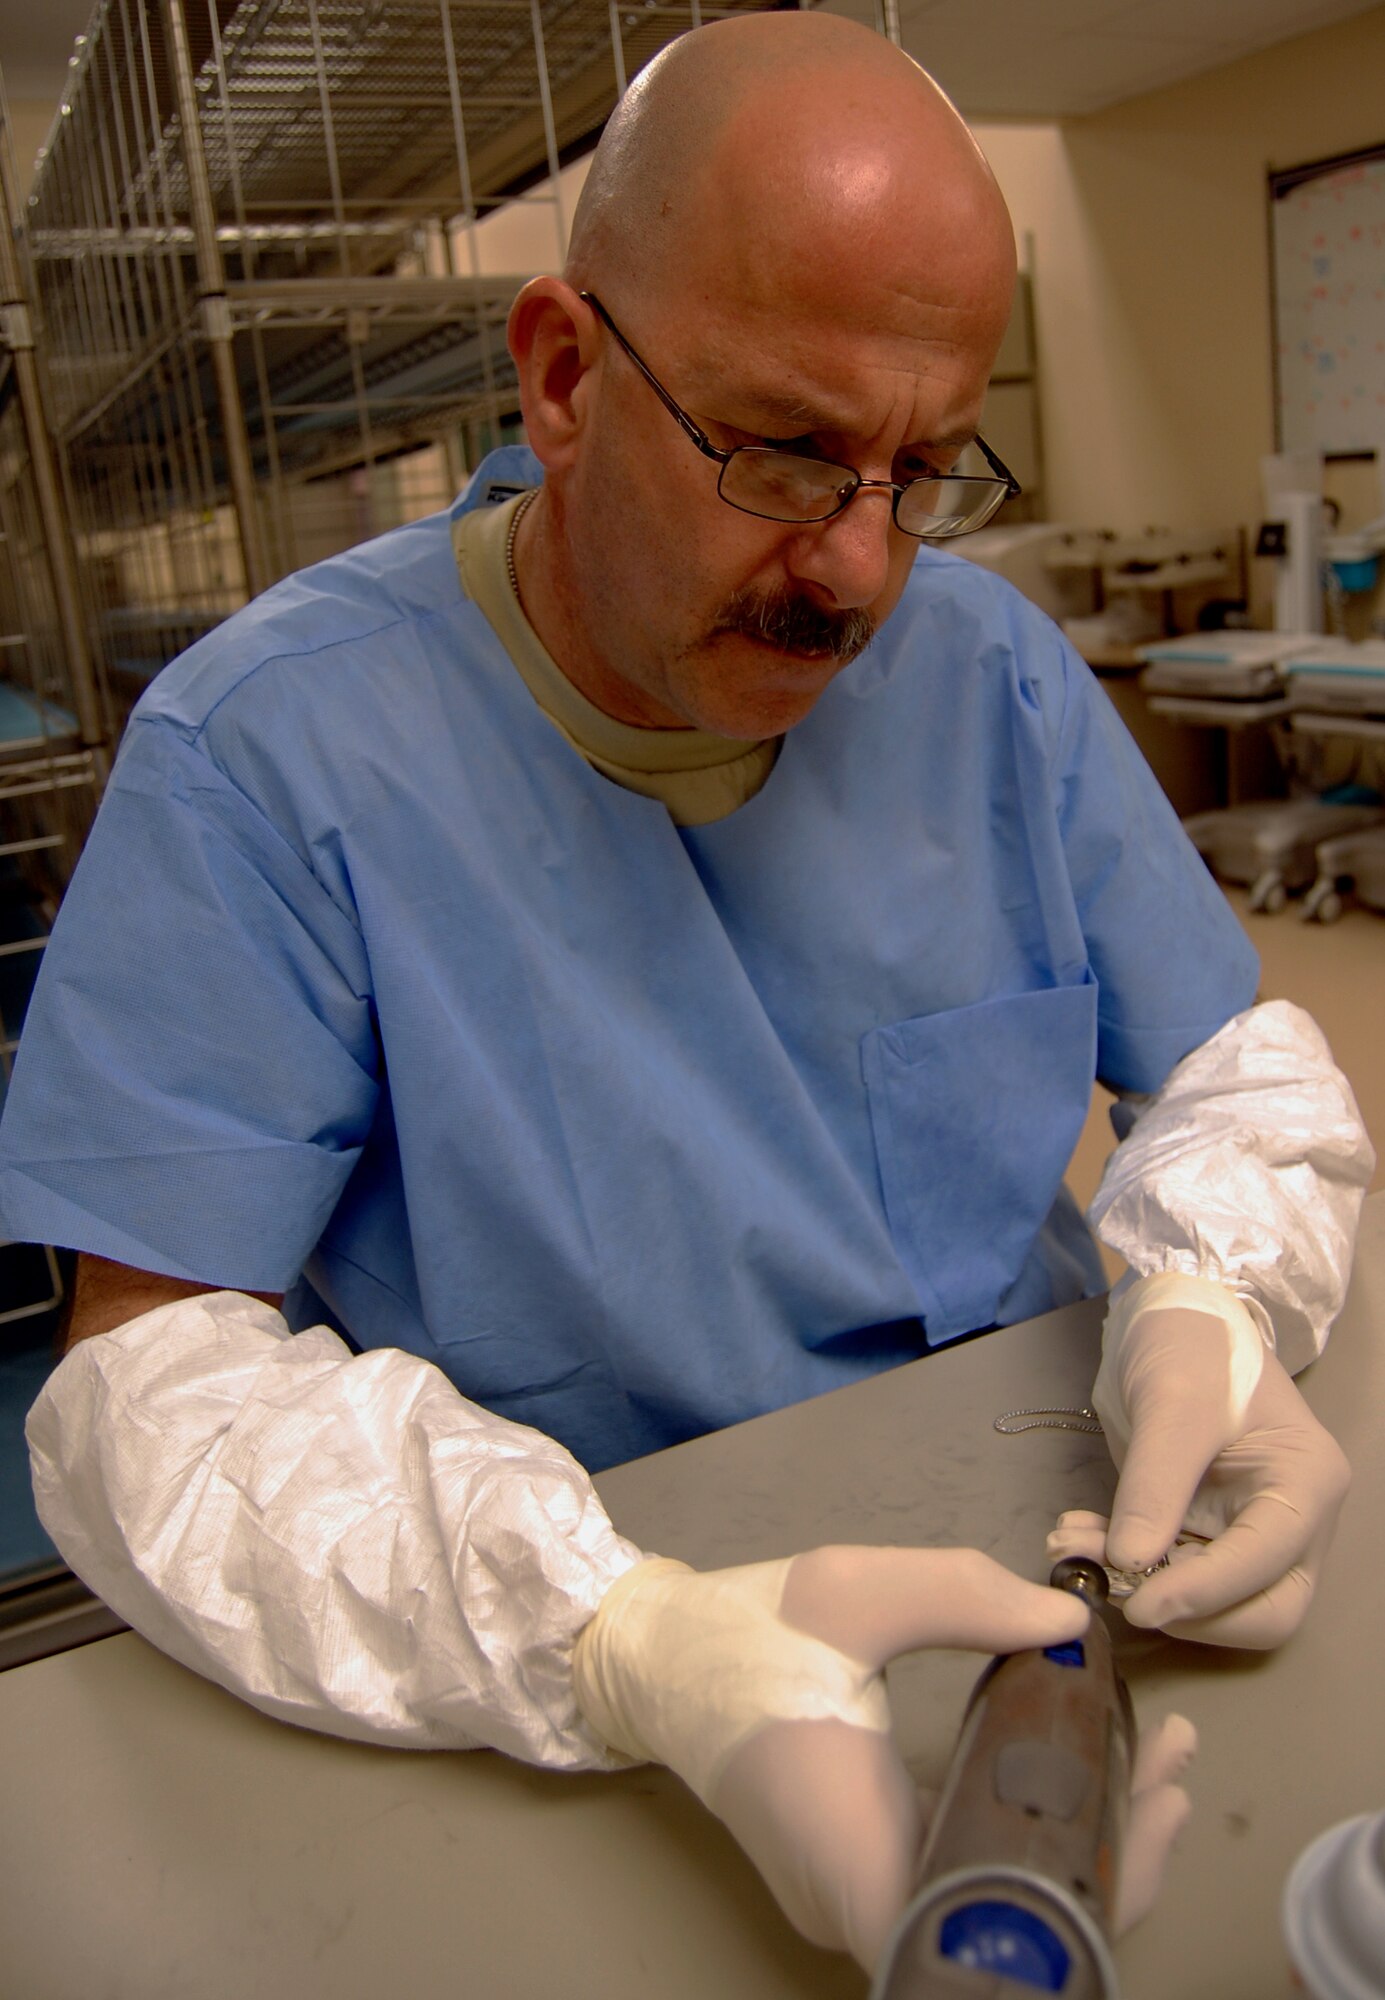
1327	240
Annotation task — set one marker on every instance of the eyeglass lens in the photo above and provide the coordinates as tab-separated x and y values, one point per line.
781	486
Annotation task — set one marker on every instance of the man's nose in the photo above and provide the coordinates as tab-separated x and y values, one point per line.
848	557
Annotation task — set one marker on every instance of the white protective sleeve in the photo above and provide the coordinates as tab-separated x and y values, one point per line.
342	1540
1249	1168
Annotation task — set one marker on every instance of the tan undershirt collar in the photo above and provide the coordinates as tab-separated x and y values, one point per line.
697	776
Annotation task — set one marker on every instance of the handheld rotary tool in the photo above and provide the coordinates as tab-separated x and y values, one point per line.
1016	1887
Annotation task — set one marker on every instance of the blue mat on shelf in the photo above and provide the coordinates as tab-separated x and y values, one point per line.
22	718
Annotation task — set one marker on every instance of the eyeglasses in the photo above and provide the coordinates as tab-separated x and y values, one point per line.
780	485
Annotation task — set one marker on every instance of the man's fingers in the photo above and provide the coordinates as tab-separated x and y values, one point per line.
1249	1587
1078	1534
1158	1808
1256	1624
1156	1815
830	1818
1259	1550
1164	1464
877	1603
1164	1754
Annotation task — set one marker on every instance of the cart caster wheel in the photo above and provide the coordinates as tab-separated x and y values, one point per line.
1329	909
1269	894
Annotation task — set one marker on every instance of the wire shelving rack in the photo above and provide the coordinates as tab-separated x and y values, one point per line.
260	238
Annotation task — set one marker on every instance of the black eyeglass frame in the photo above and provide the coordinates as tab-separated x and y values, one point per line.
855	481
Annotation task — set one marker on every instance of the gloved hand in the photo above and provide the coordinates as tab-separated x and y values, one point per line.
1210	1436
762	1687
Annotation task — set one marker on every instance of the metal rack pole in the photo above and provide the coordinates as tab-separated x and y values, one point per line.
16	334
216	315
550	135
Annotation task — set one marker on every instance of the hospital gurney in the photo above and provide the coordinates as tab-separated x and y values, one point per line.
1222	666
1355	862
1338	677
1272	845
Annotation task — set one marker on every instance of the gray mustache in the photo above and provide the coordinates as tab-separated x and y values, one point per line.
796	625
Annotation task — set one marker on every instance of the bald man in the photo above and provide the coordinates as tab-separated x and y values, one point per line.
633	953
803	289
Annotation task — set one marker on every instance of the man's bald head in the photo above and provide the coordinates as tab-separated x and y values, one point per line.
761	145
788	221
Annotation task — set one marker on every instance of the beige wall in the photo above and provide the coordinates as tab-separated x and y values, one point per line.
29	121
1151	273
528	235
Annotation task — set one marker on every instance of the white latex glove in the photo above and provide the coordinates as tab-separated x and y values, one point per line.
763	1688
1211	1437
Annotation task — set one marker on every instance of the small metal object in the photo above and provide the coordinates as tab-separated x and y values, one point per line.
1056	1417
1125	1582
1083	1578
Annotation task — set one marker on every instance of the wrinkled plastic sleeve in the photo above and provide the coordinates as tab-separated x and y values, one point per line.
343	1541
1248	1167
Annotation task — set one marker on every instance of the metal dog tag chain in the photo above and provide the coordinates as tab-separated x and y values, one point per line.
1082	1417
1050	1418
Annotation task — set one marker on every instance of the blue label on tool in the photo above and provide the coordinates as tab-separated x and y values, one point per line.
1003	1939
1070	1655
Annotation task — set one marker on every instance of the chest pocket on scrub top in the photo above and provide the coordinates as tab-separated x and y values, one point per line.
975	1112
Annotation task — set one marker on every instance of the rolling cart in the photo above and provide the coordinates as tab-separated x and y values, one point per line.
1272	845
1353	864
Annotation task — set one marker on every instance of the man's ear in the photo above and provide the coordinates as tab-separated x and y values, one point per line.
554	339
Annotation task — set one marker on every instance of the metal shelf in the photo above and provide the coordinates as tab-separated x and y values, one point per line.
305	104
327	135
259	277
409	357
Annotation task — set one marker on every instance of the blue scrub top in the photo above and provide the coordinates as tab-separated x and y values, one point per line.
365	977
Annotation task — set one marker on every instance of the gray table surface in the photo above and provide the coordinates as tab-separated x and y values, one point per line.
160	1841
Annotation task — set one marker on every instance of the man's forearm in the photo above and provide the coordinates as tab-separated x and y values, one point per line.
1247	1167
322	1532
105	1295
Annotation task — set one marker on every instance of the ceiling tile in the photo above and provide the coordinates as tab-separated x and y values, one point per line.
1093	70
992	18
1060	58
1244	24
1011	58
